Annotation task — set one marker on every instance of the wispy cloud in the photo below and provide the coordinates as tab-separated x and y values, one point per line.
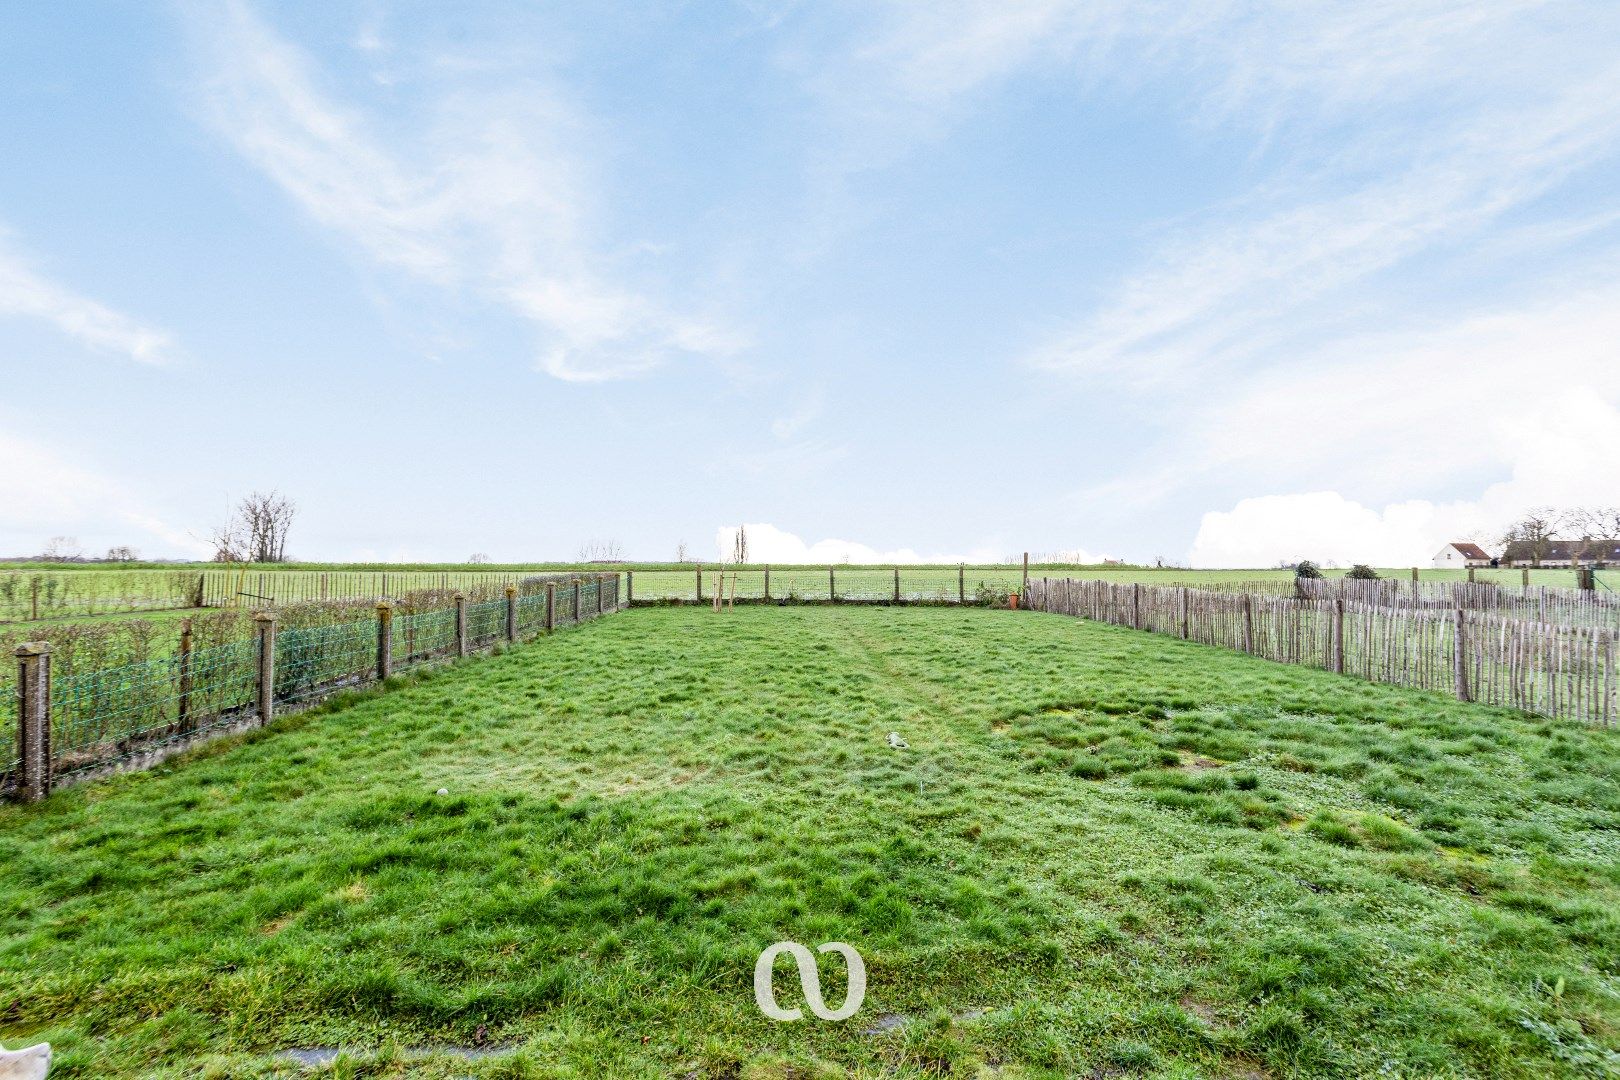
489	196
48	495
27	293
1383	132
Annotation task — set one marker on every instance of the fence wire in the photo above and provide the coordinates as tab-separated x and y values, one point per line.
118	715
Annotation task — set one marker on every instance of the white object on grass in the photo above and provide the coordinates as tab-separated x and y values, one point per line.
31	1063
444	791
896	742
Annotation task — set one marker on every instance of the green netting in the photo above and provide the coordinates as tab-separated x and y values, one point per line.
587	598
423	636
10	753
531	613
101	717
565	604
486	622
318	659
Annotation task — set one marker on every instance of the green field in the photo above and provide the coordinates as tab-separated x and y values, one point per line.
1104	854
42	592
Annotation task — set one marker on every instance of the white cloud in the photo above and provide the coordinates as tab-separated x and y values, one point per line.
46	495
768	544
488	197
1563	455
24	292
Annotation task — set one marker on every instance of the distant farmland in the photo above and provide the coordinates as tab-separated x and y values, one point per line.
31	591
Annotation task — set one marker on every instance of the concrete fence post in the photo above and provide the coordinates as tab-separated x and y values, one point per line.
511	613
601	587
182	706
630	587
34	720
385	640
265	626
576	615
551	606
1338	636
1459	654
462	645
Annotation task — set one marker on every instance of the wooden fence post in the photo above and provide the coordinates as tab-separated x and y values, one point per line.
767	582
1470	575
511	613
897	584
33	606
1459	654
601	588
1186	613
182	708
1026	571
202	589
1524	576
832	588
700	583
385	640
1338	635
265	624
630	587
462	645
1248	623
34	720
551	606
576	601
961	583
1136	605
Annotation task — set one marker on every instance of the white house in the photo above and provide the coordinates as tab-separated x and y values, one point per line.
1460	554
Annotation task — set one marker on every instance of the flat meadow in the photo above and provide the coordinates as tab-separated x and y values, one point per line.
1104	853
50	592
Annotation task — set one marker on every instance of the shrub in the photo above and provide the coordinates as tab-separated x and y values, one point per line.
1307	569
1362	572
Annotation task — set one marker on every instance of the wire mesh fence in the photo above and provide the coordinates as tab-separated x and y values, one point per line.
827	584
129	715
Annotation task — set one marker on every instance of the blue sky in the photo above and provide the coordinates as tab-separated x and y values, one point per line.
955	280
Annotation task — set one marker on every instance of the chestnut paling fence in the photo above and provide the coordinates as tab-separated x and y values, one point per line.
1488	656
1548	651
69	727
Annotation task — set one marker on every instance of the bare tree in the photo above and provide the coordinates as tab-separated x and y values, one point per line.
1599	522
1536	529
228	543
257	530
122	553
680	551
739	545
478	558
62	549
600	551
266	519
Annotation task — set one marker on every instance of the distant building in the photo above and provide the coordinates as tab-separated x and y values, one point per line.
1557	553
1459	554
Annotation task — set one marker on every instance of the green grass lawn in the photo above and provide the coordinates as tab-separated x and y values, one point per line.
1104	854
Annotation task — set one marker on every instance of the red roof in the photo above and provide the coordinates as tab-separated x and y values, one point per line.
1470	551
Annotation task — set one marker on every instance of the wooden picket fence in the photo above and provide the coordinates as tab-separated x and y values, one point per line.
1552	669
